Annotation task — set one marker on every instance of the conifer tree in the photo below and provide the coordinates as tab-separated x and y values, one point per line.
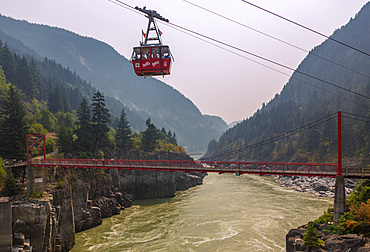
14	127
10	187
173	139
55	101
163	130
150	135
65	138
8	63
84	128
312	239
123	133
24	78
100	119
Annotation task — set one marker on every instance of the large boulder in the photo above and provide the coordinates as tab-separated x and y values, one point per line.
350	242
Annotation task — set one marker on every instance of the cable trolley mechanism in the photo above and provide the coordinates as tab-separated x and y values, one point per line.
151	57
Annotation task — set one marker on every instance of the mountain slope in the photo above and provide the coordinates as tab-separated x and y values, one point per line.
111	73
304	100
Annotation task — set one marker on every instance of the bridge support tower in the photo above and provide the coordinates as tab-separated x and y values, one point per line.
5	224
340	193
36	176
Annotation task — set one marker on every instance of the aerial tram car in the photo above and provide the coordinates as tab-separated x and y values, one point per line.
152	57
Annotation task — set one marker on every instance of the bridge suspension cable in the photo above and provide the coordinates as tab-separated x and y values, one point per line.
278	137
275	38
307	28
365	119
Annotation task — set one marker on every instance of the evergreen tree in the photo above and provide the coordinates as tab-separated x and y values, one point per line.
169	134
124	133
65	101
65	138
83	127
10	187
24	78
39	85
8	63
150	135
163	130
311	239
100	119
14	127
55	101
173	139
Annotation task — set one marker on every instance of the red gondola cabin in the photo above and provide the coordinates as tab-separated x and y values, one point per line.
151	60
151	57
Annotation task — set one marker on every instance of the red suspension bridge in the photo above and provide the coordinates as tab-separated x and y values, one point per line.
237	167
260	168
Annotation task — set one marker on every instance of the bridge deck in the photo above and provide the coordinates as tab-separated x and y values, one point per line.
261	168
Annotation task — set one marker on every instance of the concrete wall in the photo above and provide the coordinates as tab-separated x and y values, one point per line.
36	179
339	199
5	224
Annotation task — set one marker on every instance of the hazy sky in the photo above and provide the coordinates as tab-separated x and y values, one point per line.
218	82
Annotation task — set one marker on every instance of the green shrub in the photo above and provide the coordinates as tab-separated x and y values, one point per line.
311	239
49	145
361	194
9	188
84	155
59	184
36	128
357	220
342	228
100	154
326	218
36	195
2	173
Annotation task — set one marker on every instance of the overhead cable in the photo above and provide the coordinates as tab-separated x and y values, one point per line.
307	28
275	38
252	54
270	61
271	68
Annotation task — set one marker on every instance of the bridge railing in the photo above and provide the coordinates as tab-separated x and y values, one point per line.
261	168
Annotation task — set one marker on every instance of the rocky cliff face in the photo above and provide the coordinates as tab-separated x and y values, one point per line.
33	221
78	199
153	184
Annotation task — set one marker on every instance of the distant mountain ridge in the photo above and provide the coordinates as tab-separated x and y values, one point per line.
111	73
304	100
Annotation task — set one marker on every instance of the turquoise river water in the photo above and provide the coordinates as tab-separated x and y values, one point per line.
226	213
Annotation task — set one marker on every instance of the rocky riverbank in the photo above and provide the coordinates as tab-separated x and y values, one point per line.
331	243
78	199
319	187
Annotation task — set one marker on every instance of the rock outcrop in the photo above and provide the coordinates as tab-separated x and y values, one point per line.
331	243
92	194
153	184
319	187
78	199
34	224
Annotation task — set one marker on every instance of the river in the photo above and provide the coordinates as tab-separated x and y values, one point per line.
226	213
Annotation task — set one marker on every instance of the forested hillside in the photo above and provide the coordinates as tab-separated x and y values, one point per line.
106	70
53	84
42	97
304	100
